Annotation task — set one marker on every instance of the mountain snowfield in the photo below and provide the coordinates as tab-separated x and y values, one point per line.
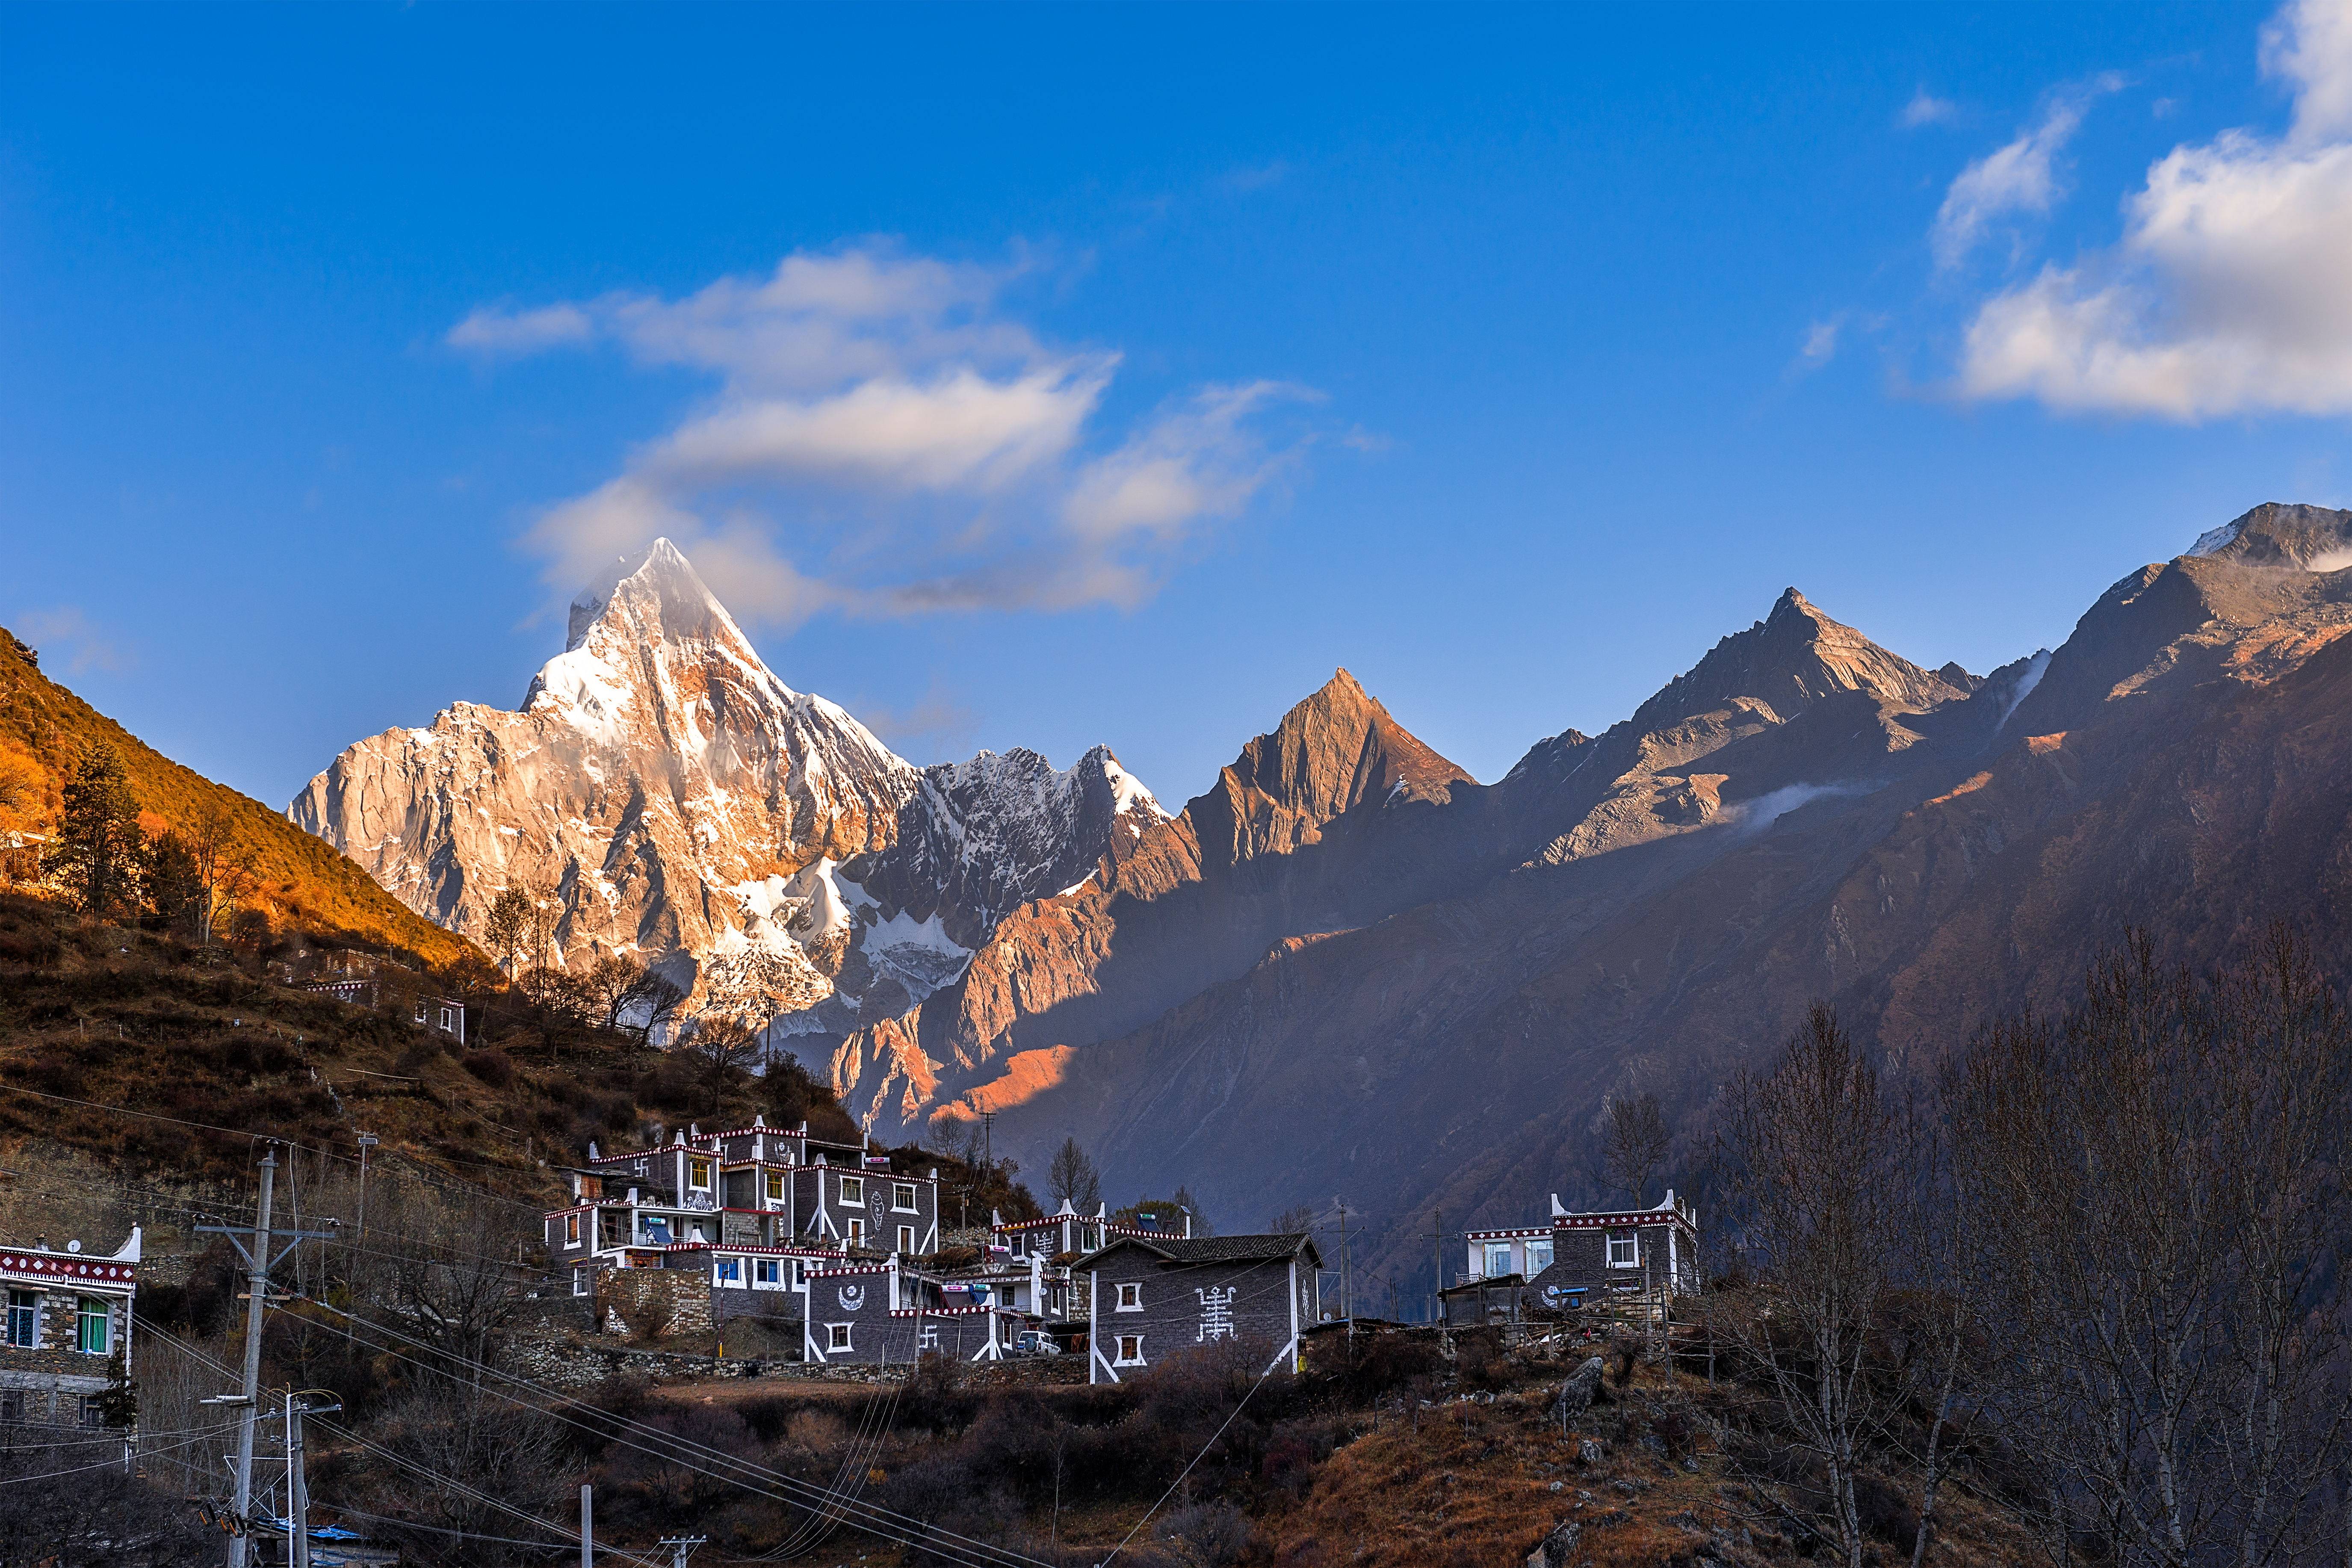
677	801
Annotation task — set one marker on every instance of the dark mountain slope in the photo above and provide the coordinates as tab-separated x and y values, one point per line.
2182	763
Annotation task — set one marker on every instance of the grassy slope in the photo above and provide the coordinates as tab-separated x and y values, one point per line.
311	883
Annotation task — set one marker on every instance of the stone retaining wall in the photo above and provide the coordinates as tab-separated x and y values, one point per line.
577	1364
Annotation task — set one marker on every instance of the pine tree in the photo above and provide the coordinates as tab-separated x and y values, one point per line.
99	850
174	887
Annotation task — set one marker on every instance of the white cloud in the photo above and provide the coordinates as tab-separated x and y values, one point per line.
1927	109
2227	292
884	440
2017	178
497	331
86	646
1821	343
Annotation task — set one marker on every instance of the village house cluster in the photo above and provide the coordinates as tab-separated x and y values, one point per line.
828	1241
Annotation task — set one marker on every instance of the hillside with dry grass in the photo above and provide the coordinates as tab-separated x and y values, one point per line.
304	882
166	1062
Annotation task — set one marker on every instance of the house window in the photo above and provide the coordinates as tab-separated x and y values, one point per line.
836	1336
1624	1249
1130	1350
24	1318
902	1197
580	1281
12	1406
765	1272
730	1270
1498	1259
698	1171
1130	1298
907	1238
93	1411
800	1273
853	1189
854	1233
572	1230
1093	1242
94	1324
1538	1258
1019	1242
775	1186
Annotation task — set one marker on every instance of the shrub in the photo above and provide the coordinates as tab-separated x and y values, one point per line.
1217	1532
493	1068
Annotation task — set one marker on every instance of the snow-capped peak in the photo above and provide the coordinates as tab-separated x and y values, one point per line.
2213	540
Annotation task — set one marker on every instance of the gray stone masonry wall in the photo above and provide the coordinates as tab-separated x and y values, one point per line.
1186	1307
572	1365
727	1306
56	1332
657	1302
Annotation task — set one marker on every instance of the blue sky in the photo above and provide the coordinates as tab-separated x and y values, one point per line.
1052	376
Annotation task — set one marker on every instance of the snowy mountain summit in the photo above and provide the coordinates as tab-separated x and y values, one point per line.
670	798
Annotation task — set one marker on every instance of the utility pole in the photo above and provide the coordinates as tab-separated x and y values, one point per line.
256	1285
988	1127
258	1261
1437	1266
587	1526
299	1483
367	1142
680	1546
1347	1277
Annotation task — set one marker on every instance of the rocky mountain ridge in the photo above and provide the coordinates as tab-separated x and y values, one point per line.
1346	928
667	797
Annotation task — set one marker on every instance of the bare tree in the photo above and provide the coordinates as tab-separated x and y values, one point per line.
507	933
724	1046
1296	1220
619	987
1072	1178
218	876
445	1262
2160	1173
503	1453
1634	1143
1818	1170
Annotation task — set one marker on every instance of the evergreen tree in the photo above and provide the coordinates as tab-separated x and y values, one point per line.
100	851
176	889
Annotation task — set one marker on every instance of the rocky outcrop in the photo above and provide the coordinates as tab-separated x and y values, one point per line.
1338	819
667	797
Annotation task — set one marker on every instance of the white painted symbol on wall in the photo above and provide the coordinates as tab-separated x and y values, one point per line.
1216	1313
852	1297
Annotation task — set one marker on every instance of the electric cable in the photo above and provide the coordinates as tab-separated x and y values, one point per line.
765	1482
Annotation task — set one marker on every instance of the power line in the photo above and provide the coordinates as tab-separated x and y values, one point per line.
378	1449
766	1483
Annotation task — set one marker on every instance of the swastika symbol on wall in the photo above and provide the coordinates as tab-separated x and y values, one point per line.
1216	1313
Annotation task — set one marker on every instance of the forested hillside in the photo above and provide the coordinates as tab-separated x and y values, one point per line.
45	730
